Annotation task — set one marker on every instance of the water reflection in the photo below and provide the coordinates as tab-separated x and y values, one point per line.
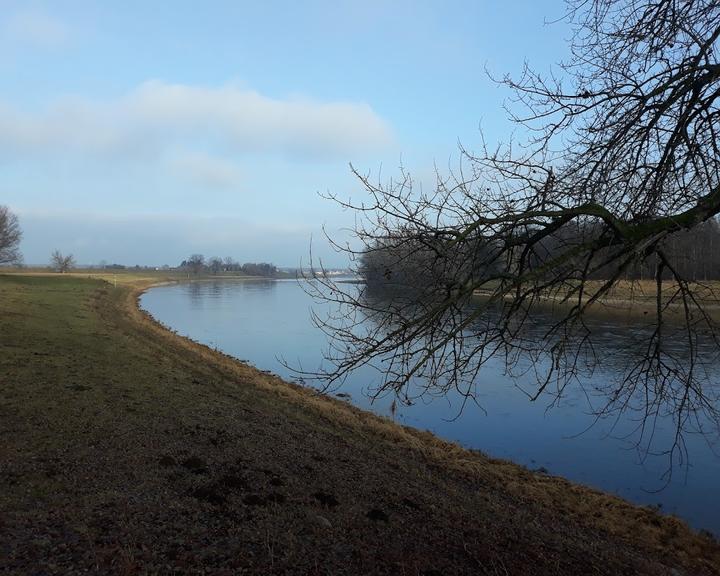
600	366
262	321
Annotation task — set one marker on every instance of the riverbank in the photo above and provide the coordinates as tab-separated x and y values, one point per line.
127	449
634	299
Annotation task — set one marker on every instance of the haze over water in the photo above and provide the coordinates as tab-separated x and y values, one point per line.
263	321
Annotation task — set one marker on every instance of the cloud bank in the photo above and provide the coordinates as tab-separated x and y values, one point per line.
208	172
156	240
157	116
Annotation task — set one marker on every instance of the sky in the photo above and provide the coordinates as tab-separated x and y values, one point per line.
142	132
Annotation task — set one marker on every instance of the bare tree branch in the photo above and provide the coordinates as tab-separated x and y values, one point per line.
621	175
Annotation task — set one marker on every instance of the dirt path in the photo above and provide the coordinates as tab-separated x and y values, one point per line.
125	449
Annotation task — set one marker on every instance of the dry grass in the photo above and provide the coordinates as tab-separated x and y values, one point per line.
636	299
127	449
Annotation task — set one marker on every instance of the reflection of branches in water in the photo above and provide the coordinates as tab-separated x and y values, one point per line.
647	382
641	386
195	291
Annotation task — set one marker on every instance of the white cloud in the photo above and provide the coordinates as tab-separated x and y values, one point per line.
157	117
33	27
206	171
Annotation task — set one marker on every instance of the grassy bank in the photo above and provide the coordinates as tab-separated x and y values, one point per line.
125	449
636	299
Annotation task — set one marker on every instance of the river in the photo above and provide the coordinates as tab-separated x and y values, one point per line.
263	321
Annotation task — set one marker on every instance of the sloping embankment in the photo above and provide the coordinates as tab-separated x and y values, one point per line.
127	449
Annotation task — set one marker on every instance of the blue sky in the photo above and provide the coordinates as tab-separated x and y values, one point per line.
141	132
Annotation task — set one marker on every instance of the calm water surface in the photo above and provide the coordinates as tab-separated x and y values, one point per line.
263	321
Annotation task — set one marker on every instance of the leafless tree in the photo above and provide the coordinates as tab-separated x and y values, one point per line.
196	263
229	264
10	236
61	263
215	264
622	157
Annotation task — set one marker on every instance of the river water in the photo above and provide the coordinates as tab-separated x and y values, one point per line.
262	322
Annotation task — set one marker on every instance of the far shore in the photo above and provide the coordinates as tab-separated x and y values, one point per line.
635	300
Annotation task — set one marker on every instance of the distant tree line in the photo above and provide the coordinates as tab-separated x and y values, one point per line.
692	254
416	264
198	264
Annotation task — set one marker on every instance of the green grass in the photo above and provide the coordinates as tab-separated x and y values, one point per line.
44	322
129	276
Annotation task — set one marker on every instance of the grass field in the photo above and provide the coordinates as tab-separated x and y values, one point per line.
125	449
